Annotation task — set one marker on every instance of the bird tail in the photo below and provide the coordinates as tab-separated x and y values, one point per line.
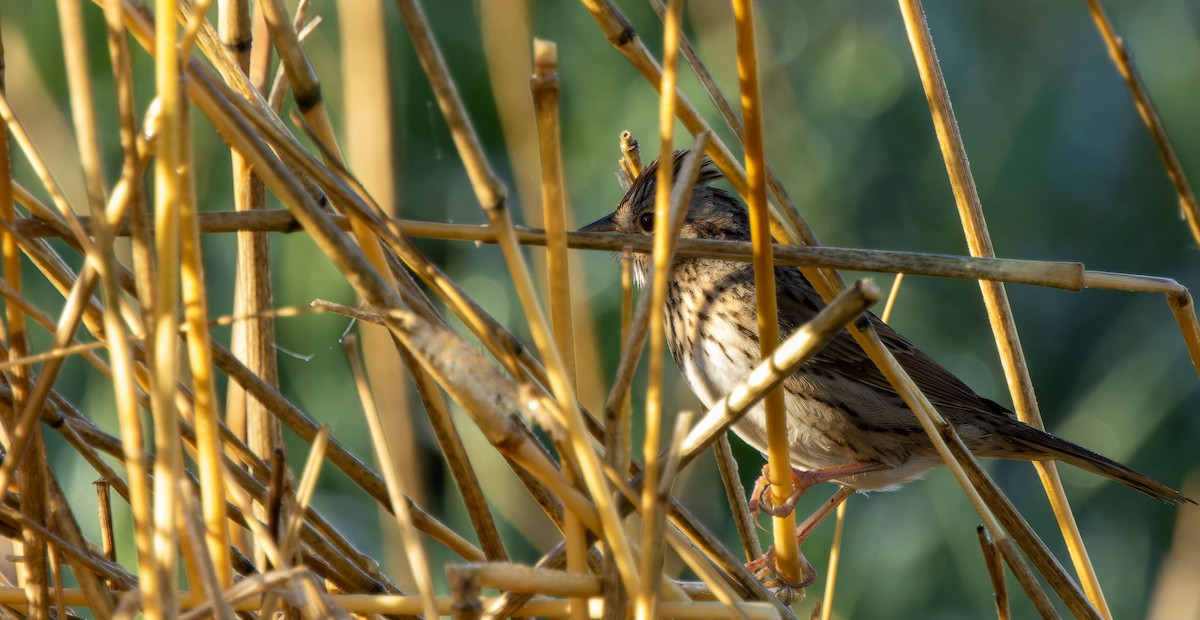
1043	445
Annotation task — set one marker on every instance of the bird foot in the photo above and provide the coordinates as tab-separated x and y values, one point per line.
802	481
760	497
764	570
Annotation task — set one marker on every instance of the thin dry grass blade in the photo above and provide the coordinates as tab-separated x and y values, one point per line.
1141	99
414	550
891	299
835	560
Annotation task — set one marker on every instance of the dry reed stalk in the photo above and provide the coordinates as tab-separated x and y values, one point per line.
834	563
200	564
893	294
618	426
788	557
620	429
60	609
835	546
1141	100
169	191
252	342
18	346
104	519
995	568
735	493
667	217
204	398
544	85
665	231
979	242
279	85
288	533
133	147
1054	274
1028	581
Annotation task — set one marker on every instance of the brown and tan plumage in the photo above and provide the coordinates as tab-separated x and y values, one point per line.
841	409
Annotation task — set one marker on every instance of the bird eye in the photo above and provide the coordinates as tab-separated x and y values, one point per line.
646	221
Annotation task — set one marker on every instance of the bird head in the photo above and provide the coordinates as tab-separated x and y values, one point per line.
712	213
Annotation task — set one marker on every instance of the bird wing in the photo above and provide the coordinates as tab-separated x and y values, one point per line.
843	356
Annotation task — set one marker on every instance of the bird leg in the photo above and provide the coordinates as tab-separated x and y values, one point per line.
764	567
802	481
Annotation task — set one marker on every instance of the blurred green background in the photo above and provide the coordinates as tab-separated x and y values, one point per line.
1064	167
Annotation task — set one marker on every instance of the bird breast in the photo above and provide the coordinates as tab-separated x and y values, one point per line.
712	332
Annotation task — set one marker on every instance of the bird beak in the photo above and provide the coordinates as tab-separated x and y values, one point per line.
604	224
